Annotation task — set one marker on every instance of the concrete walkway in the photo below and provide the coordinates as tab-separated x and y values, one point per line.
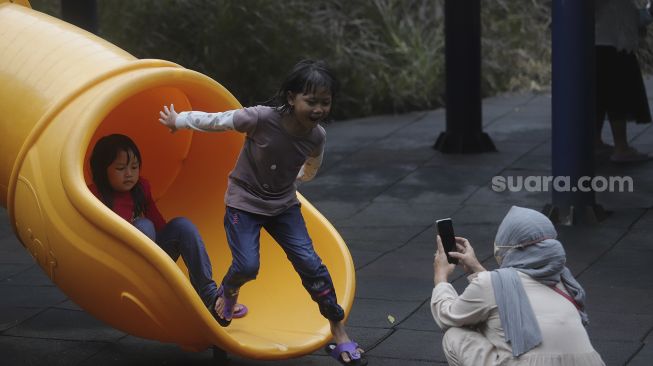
382	186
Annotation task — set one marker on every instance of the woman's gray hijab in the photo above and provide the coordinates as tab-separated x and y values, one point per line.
526	239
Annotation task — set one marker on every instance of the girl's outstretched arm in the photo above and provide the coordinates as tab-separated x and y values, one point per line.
196	120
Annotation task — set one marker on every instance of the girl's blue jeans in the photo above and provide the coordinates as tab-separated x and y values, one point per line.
181	237
289	230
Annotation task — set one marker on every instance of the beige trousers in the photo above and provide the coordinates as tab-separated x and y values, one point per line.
466	347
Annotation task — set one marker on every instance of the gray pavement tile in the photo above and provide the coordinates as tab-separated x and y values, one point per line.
638	241
5	229
68	305
643	141
638	170
619	326
310	360
382	239
640	197
31	275
432	184
10	269
637	129
389	287
532	161
623	218
484	214
415	345
422	319
643	357
372	313
412	262
347	139
543	150
380	361
420	134
386	214
508	152
133	351
513	128
491	113
615	352
11	248
12	316
12	252
362	185
640	174
510	99
618	300
391	152
626	268
529	116
586	241
336	210
513	188
645	222
367	338
64	324
355	134
362	258
18	351
405	275
436	115
541	98
584	245
30	296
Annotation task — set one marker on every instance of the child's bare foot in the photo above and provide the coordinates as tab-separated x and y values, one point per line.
219	306
350	352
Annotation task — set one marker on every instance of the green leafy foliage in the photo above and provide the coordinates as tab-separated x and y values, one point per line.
388	54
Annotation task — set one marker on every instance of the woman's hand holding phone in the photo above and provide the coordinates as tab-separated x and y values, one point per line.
466	256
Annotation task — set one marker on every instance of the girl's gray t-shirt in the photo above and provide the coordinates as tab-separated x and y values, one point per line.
263	180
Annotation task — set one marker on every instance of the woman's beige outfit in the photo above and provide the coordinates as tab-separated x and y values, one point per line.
474	335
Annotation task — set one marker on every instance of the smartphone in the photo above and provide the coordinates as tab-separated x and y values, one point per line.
445	230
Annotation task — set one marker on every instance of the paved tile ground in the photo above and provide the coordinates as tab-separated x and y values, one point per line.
382	186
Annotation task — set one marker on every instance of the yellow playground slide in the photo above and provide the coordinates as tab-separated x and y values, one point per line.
62	88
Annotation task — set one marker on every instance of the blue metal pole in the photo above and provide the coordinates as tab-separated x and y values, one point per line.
573	107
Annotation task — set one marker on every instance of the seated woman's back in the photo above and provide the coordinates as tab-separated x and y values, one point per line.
558	318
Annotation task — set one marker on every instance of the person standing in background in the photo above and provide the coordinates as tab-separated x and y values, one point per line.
620	92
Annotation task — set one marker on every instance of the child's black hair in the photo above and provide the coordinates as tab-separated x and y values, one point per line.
104	153
306	77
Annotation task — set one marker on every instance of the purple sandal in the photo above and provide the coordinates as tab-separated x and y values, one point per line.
351	348
228	311
240	312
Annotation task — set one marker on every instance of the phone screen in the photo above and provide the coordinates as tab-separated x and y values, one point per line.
445	230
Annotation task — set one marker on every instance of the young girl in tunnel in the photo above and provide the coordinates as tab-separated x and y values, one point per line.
115	167
284	145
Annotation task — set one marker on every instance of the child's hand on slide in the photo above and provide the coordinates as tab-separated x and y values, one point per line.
168	116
